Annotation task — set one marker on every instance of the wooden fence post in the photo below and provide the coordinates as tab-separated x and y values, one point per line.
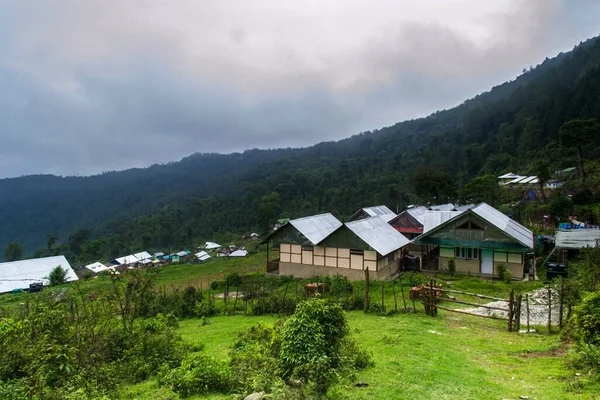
527	305
394	293
518	313
382	294
561	302
366	305
511	306
402	291
549	310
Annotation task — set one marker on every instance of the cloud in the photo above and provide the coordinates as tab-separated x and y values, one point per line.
100	85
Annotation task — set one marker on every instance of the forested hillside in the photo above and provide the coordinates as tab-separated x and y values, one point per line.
182	203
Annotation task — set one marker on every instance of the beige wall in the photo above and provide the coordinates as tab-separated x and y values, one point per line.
332	261
462	266
516	270
309	271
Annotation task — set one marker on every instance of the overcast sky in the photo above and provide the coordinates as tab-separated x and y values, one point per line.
91	86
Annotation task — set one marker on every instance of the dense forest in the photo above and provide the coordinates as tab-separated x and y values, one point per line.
513	127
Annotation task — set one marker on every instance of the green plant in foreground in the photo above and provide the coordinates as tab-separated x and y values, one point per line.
504	273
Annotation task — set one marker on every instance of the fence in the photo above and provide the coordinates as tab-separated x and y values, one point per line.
432	294
510	310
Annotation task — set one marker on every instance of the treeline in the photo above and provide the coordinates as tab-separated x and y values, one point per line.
514	127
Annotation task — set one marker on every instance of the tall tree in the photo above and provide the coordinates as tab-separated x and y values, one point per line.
579	133
268	211
482	188
13	252
542	171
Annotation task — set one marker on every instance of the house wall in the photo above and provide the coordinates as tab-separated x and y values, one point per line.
474	266
293	260
309	271
516	270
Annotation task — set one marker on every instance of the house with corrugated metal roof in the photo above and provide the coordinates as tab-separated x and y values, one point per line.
479	239
374	211
321	245
18	275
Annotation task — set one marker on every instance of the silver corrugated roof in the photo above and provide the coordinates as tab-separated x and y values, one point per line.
417	213
378	234
382	211
316	227
577	238
433	219
96	267
125	260
142	256
510	175
503	222
442	207
20	274
464	207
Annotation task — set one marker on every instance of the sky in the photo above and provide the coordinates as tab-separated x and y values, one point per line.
99	85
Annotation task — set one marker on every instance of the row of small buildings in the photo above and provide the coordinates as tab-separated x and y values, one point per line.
477	237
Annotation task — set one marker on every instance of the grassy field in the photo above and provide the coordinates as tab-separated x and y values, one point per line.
420	357
416	357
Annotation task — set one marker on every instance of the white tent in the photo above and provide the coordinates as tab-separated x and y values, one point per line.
20	274
202	256
96	267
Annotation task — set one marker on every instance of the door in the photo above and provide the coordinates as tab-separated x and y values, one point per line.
487	261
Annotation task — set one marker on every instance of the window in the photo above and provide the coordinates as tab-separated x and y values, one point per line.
391	257
357	252
307	248
467	253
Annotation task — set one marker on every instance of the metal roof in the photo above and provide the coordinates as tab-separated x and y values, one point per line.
142	256
202	256
503	222
464	207
182	253
433	219
212	245
417	213
381	211
442	207
316	227
378	234
159	254
20	274
96	267
577	238
130	259
529	179
510	175
238	253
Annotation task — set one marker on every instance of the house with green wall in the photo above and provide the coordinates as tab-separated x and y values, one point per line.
480	239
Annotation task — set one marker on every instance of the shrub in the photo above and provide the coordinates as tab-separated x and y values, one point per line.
451	266
57	276
197	374
311	341
254	360
504	273
587	319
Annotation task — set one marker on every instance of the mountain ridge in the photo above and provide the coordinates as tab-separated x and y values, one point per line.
493	131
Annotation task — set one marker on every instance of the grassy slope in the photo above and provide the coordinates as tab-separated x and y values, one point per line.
464	357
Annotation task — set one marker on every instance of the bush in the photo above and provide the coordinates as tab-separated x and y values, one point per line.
451	266
311	341
504	273
254	360
57	276
198	374
586	319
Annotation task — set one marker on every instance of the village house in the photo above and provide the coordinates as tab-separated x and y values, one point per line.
479	239
322	245
367	212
